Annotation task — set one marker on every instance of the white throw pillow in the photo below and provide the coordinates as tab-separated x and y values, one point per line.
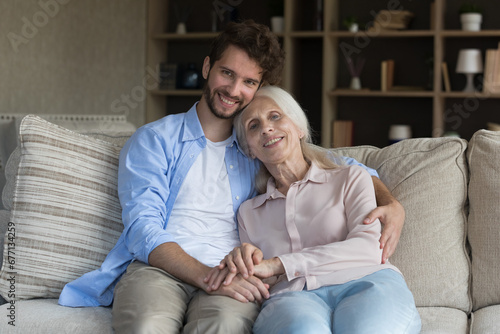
66	214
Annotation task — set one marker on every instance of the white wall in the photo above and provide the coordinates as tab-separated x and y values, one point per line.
73	56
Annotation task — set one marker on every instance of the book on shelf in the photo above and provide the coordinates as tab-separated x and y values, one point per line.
387	75
446	76
342	131
491	78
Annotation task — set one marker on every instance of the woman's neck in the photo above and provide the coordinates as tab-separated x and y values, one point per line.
286	173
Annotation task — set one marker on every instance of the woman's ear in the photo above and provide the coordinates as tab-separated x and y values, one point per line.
206	67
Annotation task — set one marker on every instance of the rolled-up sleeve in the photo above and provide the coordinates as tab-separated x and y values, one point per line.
143	187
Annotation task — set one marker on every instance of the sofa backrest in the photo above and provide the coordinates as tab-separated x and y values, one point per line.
429	177
483	155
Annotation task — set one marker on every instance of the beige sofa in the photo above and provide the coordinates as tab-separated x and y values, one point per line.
60	200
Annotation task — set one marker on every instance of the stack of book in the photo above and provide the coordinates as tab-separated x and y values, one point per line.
387	75
491	83
342	133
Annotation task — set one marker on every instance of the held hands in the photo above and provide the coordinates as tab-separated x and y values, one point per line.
245	261
392	217
242	289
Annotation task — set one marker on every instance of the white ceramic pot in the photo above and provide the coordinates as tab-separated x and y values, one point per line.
354	27
181	28
471	21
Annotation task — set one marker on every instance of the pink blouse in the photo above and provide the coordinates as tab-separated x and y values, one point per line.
317	229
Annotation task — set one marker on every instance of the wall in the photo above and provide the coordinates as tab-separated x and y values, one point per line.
73	56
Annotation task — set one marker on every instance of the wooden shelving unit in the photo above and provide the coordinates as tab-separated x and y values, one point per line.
315	54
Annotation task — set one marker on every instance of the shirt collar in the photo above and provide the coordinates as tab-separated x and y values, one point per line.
193	129
314	174
192	125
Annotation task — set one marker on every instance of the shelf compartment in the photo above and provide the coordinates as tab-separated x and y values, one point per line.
378	93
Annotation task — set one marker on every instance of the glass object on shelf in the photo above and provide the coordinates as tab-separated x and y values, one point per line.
191	77
469	63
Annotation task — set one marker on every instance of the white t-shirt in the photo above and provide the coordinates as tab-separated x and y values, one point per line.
202	220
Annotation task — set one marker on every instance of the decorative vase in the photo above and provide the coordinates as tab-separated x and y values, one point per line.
190	78
354	27
355	83
181	28
471	21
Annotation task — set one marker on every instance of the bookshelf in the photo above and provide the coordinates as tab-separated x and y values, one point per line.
315	70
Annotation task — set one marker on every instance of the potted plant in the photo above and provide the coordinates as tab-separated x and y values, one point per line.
276	12
471	16
351	23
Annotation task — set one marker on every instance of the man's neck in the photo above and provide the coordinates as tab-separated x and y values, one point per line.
214	128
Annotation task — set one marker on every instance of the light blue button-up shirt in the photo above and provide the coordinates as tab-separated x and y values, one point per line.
153	165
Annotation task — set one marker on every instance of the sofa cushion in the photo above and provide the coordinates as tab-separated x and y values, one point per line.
485	320
429	177
483	155
45	316
443	320
66	210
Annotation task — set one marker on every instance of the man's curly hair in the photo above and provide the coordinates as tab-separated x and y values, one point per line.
258	42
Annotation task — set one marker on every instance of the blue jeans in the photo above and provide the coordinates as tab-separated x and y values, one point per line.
377	303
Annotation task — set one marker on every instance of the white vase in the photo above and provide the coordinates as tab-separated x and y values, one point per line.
354	27
277	24
471	21
181	28
355	83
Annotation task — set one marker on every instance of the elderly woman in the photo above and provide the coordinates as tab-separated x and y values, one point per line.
305	231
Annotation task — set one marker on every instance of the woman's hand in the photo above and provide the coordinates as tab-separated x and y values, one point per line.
269	268
240	260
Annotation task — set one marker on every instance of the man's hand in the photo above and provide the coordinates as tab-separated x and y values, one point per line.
244	290
392	217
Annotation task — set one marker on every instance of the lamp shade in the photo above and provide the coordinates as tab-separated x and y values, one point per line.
469	61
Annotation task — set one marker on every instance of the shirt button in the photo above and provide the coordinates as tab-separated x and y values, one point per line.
231	166
237	197
191	156
297	274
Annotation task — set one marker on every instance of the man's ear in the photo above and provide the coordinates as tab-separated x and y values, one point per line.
206	67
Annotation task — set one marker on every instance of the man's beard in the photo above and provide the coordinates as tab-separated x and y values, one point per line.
211	104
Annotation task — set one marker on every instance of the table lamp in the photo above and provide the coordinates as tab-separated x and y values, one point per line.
469	63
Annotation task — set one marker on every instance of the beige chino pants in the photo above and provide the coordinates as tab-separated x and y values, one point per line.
149	300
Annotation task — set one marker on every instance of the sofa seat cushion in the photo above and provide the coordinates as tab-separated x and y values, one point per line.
483	154
45	316
429	177
66	211
486	320
443	320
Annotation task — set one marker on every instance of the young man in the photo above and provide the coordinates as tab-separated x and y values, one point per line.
181	180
